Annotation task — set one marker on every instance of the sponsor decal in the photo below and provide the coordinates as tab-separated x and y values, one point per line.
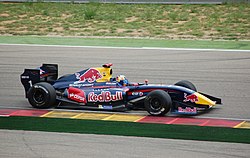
104	96
76	95
98	90
192	97
25	77
91	75
200	109
80	85
137	93
41	72
108	107
110	84
187	110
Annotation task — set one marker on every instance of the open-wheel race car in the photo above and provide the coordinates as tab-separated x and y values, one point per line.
95	88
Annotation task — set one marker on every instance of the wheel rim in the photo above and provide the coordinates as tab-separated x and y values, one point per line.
39	96
155	104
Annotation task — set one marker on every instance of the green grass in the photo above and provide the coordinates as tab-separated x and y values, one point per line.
125	42
228	21
126	129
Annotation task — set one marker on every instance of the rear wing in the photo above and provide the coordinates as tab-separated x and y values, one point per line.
45	73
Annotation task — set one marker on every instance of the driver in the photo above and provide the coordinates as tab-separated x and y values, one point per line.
122	80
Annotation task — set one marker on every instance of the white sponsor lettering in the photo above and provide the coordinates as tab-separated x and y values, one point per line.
105	96
25	77
76	97
187	109
137	93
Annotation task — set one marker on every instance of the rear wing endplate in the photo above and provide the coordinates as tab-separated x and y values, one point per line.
45	73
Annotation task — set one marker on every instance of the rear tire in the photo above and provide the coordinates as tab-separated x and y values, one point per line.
42	95
158	103
186	84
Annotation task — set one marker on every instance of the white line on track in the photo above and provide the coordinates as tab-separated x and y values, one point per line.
139	48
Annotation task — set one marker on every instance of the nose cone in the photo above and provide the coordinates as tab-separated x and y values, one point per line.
204	100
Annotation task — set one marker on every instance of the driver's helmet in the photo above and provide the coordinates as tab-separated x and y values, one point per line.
121	79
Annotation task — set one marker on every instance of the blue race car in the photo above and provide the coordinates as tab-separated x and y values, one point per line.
95	88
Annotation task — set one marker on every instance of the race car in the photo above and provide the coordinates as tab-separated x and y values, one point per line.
95	88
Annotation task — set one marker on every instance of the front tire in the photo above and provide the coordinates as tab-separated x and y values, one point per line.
158	103
42	95
186	84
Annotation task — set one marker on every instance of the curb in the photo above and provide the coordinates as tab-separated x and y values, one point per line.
128	118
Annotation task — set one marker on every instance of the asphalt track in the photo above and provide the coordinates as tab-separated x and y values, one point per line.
30	144
221	73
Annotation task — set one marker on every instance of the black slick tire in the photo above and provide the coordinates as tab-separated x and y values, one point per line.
186	84
158	103
42	95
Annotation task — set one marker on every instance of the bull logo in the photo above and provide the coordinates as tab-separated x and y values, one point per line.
91	75
192	98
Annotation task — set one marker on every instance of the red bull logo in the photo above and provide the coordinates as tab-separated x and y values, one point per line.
105	96
192	97
187	110
91	75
